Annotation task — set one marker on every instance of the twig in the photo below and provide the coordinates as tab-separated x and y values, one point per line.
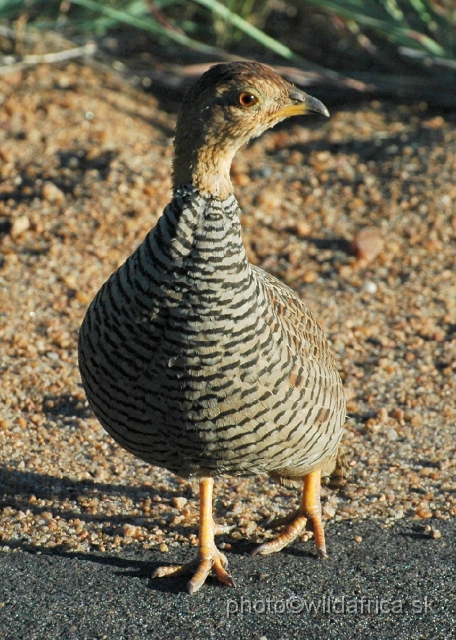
180	76
10	63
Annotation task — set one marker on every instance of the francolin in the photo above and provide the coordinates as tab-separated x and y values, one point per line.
197	361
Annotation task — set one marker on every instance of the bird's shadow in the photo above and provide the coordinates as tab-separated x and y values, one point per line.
22	490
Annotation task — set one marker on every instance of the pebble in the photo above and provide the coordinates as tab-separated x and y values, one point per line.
52	193
370	287
423	512
179	502
367	244
20	226
131	530
392	434
329	510
303	229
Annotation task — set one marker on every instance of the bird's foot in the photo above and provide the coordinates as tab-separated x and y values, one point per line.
295	525
207	560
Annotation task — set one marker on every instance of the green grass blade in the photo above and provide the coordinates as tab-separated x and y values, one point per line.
401	35
146	24
249	29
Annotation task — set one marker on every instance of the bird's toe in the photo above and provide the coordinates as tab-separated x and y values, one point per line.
290	533
200	568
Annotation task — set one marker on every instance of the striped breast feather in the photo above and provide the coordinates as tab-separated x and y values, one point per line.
297	323
309	362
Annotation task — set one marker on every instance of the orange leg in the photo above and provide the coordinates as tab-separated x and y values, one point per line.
209	558
295	524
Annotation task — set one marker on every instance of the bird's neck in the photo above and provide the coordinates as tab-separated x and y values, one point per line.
197	230
203	163
193	256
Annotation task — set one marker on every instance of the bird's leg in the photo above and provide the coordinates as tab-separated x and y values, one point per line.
310	509
209	558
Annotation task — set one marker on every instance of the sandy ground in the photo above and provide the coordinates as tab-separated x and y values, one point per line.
84	174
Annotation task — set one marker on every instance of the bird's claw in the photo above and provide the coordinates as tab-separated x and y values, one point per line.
201	567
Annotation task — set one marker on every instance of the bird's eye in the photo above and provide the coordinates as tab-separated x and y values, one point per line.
247	99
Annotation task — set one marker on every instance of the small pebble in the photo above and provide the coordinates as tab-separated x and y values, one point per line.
303	229
52	193
423	512
20	225
329	510
392	434
131	530
179	502
358	539
367	244
310	276
370	287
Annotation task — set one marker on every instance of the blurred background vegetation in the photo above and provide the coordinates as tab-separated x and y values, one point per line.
400	48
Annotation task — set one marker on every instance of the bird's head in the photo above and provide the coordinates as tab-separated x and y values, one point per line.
230	104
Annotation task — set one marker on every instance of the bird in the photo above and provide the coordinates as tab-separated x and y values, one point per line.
197	361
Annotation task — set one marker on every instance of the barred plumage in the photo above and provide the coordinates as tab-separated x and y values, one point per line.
197	361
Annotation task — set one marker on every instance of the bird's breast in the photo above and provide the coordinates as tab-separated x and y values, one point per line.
186	360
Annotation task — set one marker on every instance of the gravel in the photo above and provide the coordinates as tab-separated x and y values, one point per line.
84	174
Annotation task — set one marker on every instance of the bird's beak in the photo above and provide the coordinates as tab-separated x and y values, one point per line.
301	103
